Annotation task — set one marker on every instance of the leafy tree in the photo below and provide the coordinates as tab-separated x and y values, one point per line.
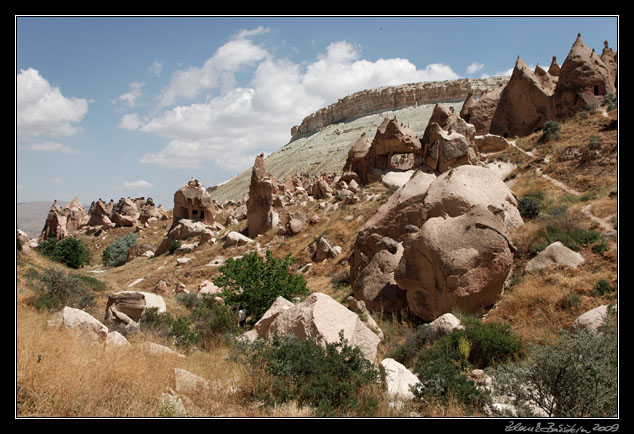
255	283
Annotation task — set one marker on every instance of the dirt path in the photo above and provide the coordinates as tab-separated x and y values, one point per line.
604	223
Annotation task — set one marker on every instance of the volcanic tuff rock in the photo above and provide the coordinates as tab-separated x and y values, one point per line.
193	202
259	203
393	97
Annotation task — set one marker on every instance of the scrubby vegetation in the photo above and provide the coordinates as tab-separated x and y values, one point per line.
116	253
70	251
58	288
254	283
336	379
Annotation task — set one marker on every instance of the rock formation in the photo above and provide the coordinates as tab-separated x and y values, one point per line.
393	97
61	222
192	201
259	204
125	309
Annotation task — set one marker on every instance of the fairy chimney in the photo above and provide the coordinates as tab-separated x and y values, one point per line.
194	203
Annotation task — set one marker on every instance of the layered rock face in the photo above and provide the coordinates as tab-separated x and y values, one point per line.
393	97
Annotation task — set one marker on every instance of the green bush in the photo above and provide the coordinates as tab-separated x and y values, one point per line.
70	251
577	377
492	343
551	130
530	205
214	321
336	379
602	287
559	225
255	283
441	370
58	289
116	253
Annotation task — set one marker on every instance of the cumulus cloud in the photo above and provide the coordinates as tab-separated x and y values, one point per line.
129	98
50	147
155	68
43	110
474	67
231	126
137	185
130	122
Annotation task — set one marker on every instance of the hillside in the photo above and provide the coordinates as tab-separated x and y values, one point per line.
326	150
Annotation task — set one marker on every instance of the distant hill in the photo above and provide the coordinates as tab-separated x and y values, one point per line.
31	216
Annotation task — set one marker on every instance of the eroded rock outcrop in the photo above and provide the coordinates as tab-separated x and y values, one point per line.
192	202
260	215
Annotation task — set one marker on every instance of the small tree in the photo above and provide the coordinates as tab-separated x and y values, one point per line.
255	283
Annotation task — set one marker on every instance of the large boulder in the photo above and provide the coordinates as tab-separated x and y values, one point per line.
455	192
81	324
125	309
183	229
375	284
322	318
404	207
553	255
399	379
593	320
358	161
455	262
479	113
125	213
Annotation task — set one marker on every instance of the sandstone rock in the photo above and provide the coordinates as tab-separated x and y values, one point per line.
260	199
115	340
161	288
404	207
583	80
442	326
83	324
138	250
189	384
126	308
375	284
55	225
480	113
393	138
236	239
396	179
593	320
100	216
455	262
392	97
192	202
555	254
322	249
399	379
279	305
125	213
321	318
455	192
358	161
159	350
207	287
491	143
525	104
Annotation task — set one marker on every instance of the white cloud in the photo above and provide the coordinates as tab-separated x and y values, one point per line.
155	68
217	72
129	98
42	109
474	67
50	147
130	122
136	185
242	34
229	128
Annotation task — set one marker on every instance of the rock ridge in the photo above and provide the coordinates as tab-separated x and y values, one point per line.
378	99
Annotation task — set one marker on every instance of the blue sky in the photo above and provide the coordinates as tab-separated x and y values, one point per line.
111	107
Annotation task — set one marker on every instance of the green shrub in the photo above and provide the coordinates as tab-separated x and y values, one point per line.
214	321
58	289
560	226
569	301
551	130
255	283
70	251
602	287
174	245
184	332
441	370
492	343
577	377
336	379
116	253
530	205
